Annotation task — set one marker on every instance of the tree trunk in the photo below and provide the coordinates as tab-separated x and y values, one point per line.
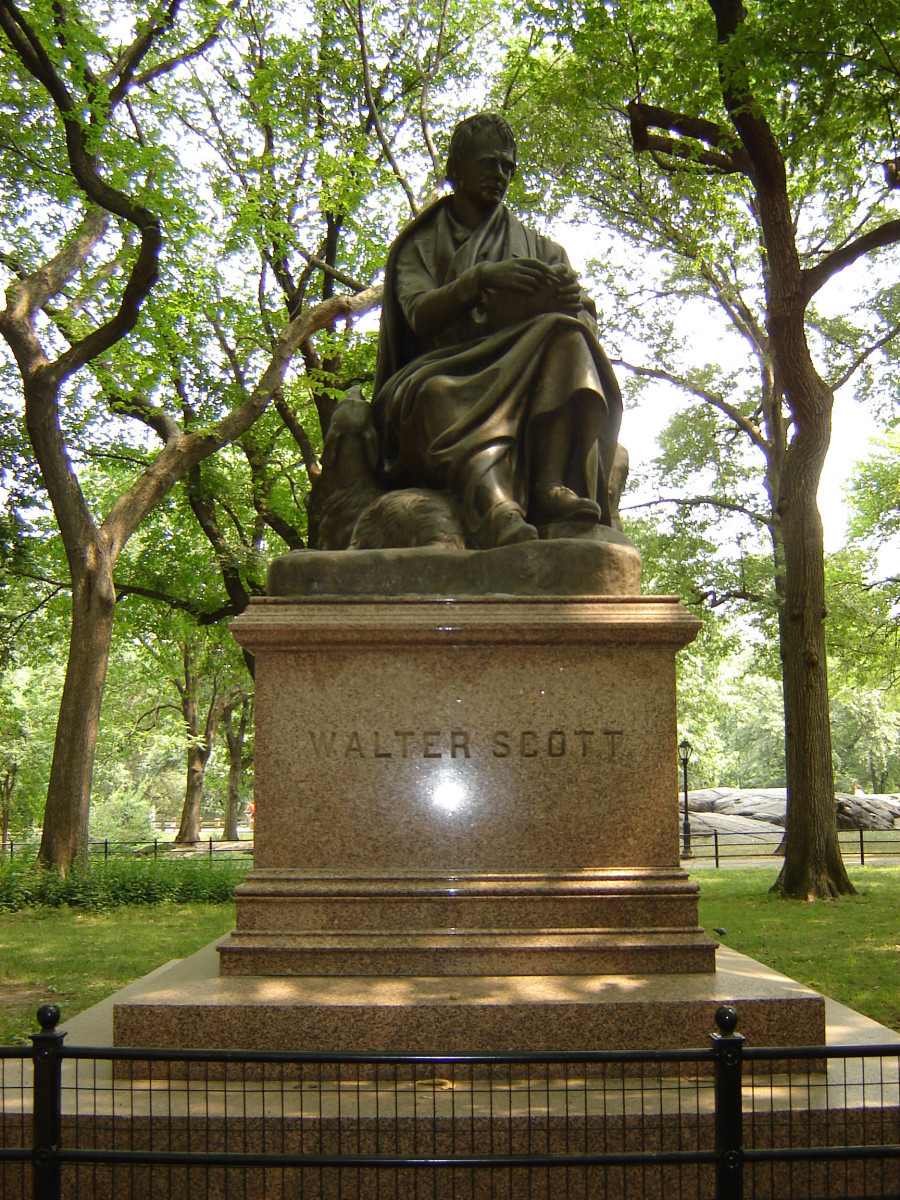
189	830
232	801
198	749
6	791
199	744
235	737
65	832
813	867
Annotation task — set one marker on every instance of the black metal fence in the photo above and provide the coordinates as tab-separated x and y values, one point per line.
106	848
725	1121
707	849
872	846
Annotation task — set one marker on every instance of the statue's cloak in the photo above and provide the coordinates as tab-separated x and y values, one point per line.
479	385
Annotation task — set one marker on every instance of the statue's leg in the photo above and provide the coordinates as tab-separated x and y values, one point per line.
556	436
568	414
490	514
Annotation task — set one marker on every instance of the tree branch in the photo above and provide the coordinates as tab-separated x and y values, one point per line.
299	434
356	15
729	157
701	502
34	290
340	276
716	599
15	623
813	278
708	397
129	60
863	357
201	615
182	453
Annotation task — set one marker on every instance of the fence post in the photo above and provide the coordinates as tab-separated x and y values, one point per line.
716	845
728	1053
862	849
47	1104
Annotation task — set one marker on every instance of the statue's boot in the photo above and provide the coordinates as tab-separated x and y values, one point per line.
503	525
492	518
556	502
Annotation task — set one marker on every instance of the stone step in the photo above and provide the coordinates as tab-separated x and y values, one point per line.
469	952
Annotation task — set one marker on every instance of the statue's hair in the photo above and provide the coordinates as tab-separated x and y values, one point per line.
465	133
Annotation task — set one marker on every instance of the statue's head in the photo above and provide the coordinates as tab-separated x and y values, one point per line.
482	125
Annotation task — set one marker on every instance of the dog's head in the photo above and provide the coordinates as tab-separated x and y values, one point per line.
351	418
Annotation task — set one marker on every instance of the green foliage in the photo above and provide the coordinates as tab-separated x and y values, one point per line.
875	495
683	296
122	815
863	635
117	882
28	700
865	735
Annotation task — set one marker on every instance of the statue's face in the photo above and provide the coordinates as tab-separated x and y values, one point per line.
485	172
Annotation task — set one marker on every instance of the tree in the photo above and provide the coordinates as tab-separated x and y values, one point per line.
752	136
200	730
238	760
85	130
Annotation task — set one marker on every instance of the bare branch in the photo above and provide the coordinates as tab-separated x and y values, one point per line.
744	423
356	15
813	278
703	502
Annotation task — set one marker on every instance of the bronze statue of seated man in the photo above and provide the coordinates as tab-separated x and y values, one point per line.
490	382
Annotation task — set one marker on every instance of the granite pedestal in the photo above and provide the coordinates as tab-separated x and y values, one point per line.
466	825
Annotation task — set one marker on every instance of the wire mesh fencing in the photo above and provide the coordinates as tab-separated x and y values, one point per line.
713	1122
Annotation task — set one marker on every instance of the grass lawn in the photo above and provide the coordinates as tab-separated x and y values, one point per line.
849	949
73	958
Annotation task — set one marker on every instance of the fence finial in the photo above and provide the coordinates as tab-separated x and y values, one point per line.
48	1017
726	1019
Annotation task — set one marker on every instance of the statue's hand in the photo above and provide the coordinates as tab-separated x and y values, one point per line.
516	275
568	298
517	289
567	289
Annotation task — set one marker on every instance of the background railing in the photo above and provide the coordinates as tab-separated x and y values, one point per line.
861	846
719	1122
105	848
872	846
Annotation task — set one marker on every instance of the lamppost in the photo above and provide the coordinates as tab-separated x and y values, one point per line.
685	750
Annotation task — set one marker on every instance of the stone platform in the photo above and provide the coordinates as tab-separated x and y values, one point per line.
190	1004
